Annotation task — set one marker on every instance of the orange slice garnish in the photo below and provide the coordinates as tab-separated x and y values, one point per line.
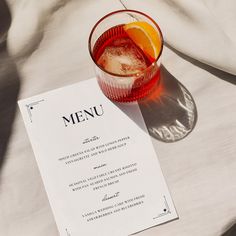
145	37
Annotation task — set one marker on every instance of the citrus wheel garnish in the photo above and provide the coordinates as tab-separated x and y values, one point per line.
145	37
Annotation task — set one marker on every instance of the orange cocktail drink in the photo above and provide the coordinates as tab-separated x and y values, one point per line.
126	47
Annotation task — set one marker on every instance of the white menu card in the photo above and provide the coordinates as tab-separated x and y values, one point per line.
97	162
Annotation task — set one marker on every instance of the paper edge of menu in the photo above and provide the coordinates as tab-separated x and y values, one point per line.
21	102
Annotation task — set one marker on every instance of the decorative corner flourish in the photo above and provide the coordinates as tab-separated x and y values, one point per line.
166	209
30	108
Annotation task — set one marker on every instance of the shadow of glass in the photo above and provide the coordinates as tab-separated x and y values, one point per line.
169	111
9	84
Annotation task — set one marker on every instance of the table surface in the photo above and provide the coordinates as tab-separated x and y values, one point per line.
200	169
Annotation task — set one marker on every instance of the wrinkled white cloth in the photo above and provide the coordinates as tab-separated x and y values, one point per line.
29	18
204	29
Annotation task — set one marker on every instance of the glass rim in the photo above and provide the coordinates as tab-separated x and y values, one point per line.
124	11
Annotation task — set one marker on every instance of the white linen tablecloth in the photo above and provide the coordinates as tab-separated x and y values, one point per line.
47	49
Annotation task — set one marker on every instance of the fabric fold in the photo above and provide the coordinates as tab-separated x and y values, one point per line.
203	30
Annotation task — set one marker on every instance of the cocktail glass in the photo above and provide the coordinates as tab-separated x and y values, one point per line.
124	71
